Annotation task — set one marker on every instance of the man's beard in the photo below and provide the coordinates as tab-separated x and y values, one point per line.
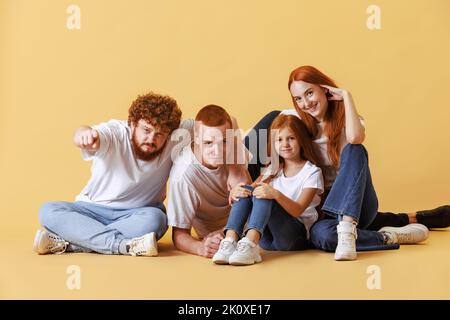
144	155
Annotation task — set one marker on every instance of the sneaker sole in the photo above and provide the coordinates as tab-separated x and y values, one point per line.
153	252
221	261
37	240
246	263
344	257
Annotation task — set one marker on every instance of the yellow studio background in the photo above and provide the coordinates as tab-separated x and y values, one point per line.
237	54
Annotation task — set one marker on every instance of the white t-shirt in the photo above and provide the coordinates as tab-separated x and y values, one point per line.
198	196
329	171
310	176
119	179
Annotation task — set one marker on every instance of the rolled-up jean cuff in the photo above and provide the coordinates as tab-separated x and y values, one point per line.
254	228
116	244
227	228
336	213
393	246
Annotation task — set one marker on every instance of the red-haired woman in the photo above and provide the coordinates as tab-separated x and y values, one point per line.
350	201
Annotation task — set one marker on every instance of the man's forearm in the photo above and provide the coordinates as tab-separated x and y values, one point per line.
185	242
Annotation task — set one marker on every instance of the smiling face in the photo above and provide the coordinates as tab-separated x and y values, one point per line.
148	141
310	98
287	145
210	144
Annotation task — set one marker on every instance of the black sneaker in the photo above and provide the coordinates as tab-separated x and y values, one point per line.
435	218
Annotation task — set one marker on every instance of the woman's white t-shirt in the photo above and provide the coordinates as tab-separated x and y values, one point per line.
310	176
329	171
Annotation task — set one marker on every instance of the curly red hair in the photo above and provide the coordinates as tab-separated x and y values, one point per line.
158	110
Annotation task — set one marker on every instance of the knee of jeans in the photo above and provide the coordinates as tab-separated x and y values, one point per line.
47	213
156	221
245	202
354	150
162	222
272	114
324	237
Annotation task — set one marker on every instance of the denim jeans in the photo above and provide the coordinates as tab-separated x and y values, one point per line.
382	219
91	227
279	230
353	195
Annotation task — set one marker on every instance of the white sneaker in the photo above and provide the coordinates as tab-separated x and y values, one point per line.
411	233
144	246
346	247
246	253
46	242
226	249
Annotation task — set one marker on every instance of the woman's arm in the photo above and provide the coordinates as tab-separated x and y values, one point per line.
354	130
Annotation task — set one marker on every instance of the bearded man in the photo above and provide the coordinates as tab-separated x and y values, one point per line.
120	210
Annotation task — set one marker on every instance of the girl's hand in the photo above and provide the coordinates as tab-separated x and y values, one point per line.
265	191
239	192
337	94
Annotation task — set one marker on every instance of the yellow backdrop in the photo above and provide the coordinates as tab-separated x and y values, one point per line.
237	54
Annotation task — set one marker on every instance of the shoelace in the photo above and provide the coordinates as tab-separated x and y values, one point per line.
226	245
347	238
404	237
57	245
137	246
243	247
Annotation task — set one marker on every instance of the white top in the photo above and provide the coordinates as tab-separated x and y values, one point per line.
329	171
310	176
198	196
119	179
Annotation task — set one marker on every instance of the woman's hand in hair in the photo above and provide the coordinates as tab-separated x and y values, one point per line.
238	191
335	94
265	191
354	129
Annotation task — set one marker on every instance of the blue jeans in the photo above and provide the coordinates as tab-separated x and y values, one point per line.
91	227
352	194
279	230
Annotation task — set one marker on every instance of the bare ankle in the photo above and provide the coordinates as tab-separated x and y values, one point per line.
253	235
232	234
412	216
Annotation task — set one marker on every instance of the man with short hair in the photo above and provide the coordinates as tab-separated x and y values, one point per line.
199	182
120	210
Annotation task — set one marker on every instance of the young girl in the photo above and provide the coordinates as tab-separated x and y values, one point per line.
279	207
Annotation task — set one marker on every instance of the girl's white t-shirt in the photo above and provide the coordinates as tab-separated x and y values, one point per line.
329	171
310	176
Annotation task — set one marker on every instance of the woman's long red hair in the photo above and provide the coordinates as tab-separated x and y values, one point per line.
334	118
